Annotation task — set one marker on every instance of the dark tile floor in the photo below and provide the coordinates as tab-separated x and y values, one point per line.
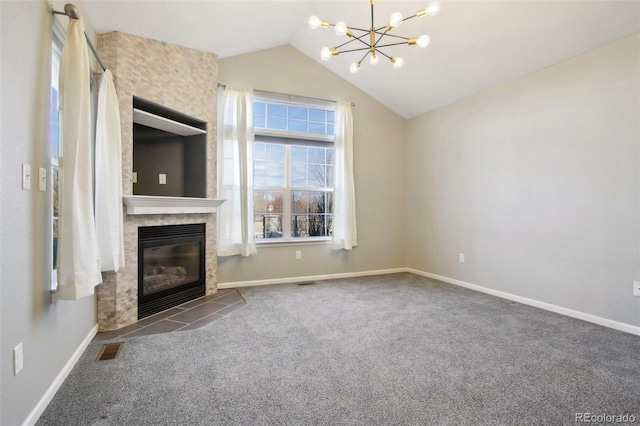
190	315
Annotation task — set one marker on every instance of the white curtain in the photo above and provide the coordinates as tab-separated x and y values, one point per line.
235	173
344	196
108	198
78	260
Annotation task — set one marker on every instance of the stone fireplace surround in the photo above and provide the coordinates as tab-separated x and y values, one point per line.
184	80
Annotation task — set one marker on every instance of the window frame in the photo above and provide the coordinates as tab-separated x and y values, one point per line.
58	37
57	163
288	139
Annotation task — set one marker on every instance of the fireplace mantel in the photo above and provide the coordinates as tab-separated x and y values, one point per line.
148	204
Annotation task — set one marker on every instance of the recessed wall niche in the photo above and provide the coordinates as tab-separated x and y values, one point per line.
169	152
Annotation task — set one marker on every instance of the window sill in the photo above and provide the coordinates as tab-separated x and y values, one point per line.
298	242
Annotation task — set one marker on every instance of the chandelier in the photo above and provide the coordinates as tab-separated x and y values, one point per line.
372	39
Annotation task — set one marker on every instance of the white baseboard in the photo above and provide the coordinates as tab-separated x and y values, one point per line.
60	378
628	328
535	303
238	284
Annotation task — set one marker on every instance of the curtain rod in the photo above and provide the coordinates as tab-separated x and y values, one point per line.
224	86
71	12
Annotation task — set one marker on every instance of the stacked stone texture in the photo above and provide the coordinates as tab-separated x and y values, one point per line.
175	77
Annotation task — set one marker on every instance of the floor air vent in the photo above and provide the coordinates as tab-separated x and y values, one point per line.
110	352
307	283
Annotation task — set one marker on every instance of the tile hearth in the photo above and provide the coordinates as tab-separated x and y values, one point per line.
188	316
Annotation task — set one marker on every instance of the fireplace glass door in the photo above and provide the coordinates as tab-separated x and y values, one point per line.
169	266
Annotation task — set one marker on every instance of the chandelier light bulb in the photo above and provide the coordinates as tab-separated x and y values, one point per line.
374	59
341	28
398	63
355	67
325	54
434	8
423	41
314	22
395	19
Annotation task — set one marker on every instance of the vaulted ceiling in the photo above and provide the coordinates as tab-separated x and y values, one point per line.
475	45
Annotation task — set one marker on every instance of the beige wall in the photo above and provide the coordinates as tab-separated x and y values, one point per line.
537	182
50	333
379	158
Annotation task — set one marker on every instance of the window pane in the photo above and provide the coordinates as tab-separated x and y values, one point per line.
275	152
331	117
260	151
316	155
275	174
298	126
267	207
259	108
317	115
259	172
267	226
317	175
276	110
298	174
276	123
329	153
330	129
299	154
259	121
300	201
267	201
299	113
311	213
329	176
259	113
317	128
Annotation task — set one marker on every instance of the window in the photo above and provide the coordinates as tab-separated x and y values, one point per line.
54	137
56	146
293	169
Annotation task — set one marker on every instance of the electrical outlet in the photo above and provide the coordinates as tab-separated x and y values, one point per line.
18	359
298	254
162	179
636	288
461	257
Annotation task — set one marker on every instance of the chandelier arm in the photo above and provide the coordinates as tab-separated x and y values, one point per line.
355	50
381	36
391	44
354	39
407	18
396	36
357	29
384	54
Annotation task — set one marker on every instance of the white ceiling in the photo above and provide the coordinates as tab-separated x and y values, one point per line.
475	45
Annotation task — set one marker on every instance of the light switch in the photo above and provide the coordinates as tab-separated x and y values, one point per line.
134	177
26	176
162	179
42	179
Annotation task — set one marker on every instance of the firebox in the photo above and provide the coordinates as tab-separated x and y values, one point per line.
171	266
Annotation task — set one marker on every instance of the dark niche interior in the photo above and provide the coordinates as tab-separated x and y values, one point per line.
169	152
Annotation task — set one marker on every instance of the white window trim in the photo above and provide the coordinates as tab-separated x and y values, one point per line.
57	42
286	223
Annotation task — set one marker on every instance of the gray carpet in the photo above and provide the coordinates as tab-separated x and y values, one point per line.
394	349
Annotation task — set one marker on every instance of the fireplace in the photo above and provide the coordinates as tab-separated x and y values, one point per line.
171	266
